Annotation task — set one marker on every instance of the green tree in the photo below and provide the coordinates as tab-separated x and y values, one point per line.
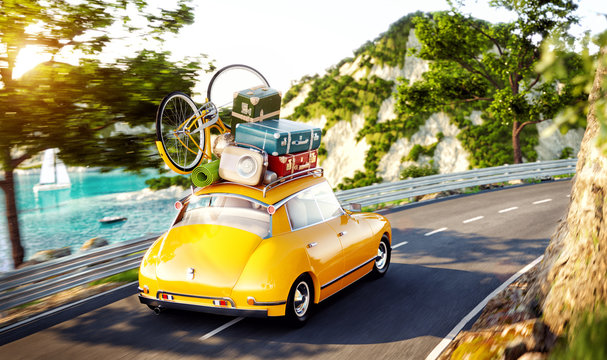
74	108
491	66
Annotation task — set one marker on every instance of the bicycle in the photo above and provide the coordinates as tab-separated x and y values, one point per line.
183	130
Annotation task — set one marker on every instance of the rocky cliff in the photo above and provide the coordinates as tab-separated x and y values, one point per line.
354	103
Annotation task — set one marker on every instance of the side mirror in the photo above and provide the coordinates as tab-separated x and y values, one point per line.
354	207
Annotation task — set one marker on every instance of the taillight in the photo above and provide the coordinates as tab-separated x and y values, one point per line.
166	297
220	302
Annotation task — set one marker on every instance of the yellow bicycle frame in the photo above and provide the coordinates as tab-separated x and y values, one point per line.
206	150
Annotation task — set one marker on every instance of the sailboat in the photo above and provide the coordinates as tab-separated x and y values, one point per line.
53	175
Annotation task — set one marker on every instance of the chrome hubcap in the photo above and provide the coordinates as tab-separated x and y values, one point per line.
301	301
382	253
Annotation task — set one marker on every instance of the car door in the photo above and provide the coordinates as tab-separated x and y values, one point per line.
354	237
353	234
322	246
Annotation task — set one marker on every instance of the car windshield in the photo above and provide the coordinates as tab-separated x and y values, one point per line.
230	211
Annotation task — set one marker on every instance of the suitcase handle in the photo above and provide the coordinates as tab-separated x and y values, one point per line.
300	142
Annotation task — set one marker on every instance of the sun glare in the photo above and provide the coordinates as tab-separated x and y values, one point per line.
28	58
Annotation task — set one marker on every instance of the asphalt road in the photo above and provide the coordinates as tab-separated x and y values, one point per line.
458	251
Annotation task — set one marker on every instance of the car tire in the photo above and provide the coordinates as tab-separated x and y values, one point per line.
381	264
300	301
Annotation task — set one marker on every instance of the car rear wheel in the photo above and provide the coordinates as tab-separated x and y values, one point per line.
300	301
382	262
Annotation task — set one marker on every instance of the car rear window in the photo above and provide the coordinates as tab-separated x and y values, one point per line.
229	211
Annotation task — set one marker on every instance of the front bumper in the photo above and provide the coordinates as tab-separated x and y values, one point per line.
201	308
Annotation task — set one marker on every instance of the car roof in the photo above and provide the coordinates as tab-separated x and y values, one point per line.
266	194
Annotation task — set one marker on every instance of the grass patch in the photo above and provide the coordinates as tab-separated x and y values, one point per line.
125	276
384	205
587	339
23	306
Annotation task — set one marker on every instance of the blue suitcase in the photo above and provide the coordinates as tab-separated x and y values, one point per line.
279	137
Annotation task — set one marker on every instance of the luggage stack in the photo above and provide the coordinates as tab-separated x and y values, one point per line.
265	147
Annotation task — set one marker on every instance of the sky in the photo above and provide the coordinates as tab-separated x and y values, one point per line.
286	40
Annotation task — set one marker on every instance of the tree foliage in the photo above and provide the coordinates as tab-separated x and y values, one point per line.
77	108
476	64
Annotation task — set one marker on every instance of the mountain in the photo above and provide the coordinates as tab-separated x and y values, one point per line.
366	141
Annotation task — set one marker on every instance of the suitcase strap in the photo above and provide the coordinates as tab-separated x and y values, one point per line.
255	119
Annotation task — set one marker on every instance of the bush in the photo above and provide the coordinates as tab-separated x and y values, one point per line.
415	171
165	182
566	153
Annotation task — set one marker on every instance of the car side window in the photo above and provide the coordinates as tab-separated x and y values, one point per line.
312	206
327	202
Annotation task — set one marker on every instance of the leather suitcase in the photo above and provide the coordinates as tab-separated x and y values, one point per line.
291	163
279	137
255	104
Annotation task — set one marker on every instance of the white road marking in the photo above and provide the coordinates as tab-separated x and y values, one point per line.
220	329
435	231
399	245
508	209
453	333
473	219
541	201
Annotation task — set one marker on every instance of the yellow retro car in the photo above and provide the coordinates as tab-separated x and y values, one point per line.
273	250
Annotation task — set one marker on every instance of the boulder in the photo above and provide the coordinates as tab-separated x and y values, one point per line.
46	255
93	243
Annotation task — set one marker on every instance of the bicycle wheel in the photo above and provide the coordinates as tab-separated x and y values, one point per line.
180	140
225	81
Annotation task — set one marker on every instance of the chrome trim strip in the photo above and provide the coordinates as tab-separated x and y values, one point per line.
201	308
195	296
349	272
266	303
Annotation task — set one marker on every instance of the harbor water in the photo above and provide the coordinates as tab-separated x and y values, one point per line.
68	217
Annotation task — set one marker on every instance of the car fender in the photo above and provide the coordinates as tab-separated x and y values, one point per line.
271	270
147	268
379	225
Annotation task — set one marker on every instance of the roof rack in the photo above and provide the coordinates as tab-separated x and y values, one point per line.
288	178
280	181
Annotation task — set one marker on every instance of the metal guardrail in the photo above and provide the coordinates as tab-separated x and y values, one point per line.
34	282
385	192
21	286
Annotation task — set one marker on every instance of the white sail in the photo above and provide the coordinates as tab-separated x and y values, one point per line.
61	173
47	174
53	174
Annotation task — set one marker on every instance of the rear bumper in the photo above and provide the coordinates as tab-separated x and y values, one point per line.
199	308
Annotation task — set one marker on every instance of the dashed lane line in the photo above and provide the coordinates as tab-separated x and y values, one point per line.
508	209
453	333
435	231
220	329
541	201
473	219
399	245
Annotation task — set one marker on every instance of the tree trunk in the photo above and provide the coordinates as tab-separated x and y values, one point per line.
572	278
516	143
12	219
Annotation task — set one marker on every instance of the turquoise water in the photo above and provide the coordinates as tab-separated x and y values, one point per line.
69	217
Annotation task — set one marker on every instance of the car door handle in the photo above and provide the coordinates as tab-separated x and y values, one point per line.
312	244
342	233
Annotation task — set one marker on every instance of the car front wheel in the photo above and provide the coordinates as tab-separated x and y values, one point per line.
300	301
382	262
